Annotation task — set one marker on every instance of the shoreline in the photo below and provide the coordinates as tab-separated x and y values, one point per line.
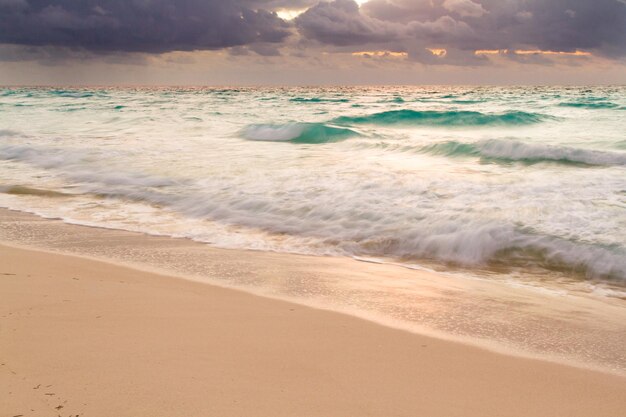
97	338
292	275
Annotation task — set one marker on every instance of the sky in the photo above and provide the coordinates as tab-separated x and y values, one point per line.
308	42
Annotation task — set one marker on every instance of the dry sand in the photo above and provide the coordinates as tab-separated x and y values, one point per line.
83	337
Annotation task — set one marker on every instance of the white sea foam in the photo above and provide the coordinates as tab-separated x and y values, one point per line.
8	132
360	224
79	166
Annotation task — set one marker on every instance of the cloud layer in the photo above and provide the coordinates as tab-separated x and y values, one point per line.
417	27
140	25
464	26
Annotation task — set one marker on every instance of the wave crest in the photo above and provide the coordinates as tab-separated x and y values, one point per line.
510	150
318	100
297	133
444	118
590	105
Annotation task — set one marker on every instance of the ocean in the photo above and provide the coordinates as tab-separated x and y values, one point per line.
526	183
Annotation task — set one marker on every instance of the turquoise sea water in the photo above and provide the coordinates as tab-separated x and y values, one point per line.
529	182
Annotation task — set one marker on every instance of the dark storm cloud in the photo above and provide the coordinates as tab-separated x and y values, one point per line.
141	25
463	26
567	25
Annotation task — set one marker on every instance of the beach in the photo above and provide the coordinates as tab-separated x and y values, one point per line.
80	336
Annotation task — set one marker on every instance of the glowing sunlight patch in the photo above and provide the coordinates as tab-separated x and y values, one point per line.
540	52
440	52
381	54
491	51
289	14
529	52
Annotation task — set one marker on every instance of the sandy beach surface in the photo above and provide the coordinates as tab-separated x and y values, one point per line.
84	337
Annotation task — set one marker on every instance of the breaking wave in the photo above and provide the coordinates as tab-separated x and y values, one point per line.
318	100
444	118
297	133
590	105
510	150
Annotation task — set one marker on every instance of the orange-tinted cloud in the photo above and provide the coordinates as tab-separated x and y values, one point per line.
531	52
384	54
441	52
